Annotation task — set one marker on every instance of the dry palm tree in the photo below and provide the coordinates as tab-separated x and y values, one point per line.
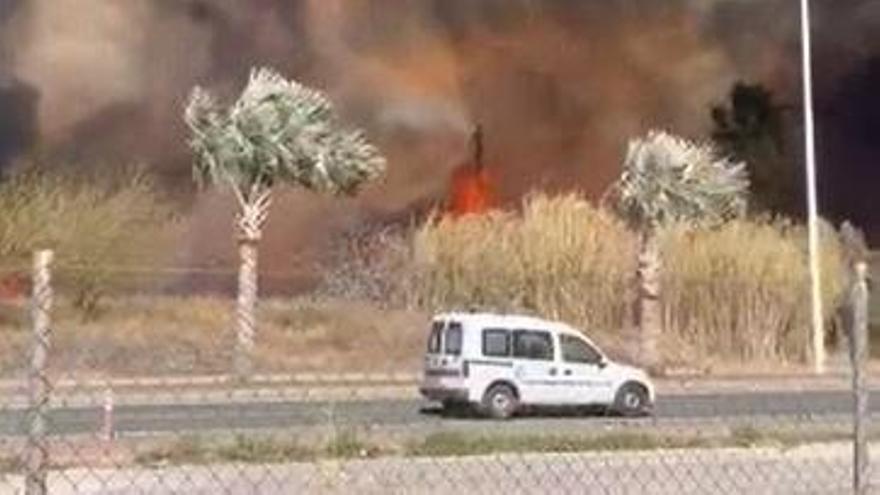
753	128
666	181
276	132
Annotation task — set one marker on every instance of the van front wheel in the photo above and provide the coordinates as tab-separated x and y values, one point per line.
632	400
500	402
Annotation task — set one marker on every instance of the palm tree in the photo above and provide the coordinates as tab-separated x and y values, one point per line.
276	132
666	181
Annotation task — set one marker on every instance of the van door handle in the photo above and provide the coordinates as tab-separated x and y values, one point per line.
552	371
567	372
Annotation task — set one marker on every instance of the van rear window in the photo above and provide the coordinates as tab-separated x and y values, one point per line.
434	337
452	338
445	337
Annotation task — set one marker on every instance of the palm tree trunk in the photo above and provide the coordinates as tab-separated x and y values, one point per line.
254	211
246	318
648	311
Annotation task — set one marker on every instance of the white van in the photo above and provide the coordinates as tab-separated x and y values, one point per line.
501	362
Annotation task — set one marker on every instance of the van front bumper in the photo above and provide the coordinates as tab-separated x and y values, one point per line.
444	394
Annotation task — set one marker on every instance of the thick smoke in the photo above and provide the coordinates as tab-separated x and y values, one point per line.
763	39
18	104
17	100
559	86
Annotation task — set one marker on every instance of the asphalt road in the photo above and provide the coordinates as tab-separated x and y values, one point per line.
137	419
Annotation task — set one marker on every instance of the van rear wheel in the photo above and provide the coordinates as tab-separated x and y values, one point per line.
500	402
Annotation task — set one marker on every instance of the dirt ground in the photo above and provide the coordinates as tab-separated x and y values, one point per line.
139	336
163	335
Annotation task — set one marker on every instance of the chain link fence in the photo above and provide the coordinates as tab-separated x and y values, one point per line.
138	394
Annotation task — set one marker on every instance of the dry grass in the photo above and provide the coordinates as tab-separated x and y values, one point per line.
738	293
191	450
275	447
136	336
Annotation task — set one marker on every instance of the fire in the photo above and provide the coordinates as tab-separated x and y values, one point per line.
471	191
14	288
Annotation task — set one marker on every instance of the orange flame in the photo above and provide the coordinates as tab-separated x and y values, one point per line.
471	191
14	288
471	188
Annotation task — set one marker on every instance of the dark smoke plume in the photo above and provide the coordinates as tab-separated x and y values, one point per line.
559	86
18	126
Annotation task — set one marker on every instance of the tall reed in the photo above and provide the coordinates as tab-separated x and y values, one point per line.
739	292
560	257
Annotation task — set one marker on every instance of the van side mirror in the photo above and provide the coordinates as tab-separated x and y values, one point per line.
603	363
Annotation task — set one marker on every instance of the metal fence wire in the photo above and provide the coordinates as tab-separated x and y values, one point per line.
138	395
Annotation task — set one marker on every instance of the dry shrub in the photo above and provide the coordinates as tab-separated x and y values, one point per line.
94	224
736	293
366	263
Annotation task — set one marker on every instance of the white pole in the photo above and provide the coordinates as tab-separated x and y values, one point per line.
108	415
37	447
812	201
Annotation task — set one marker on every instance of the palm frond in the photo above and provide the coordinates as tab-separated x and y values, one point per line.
667	179
278	130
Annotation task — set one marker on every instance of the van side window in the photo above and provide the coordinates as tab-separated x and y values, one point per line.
575	350
533	344
496	342
452	339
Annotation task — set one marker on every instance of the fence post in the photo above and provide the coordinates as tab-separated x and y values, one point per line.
37	453
859	355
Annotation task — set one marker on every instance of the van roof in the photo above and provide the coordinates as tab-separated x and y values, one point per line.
507	320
